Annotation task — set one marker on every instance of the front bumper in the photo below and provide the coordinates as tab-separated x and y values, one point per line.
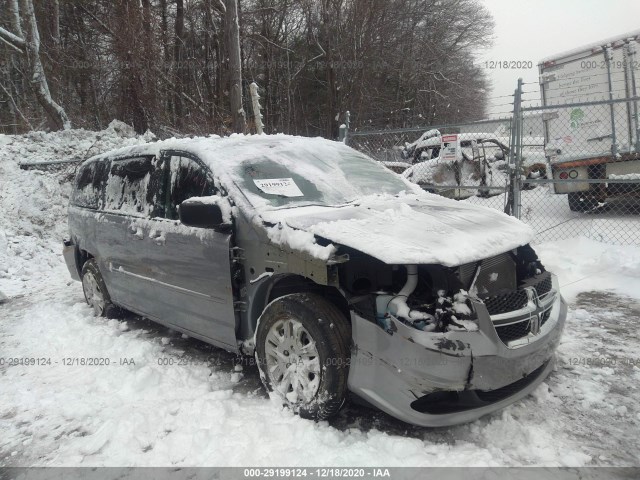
399	372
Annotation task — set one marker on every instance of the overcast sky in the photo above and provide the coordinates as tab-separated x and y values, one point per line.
529	30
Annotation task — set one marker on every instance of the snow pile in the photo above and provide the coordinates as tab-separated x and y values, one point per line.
626	176
283	234
33	203
157	404
583	264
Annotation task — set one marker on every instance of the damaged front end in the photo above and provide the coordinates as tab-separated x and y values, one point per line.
436	346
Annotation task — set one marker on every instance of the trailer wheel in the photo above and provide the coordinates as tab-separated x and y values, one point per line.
579	202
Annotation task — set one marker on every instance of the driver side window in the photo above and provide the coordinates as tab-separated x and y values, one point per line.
187	179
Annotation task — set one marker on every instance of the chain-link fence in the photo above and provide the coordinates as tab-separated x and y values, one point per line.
592	187
567	170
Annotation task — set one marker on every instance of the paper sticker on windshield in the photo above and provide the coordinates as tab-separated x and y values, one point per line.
279	186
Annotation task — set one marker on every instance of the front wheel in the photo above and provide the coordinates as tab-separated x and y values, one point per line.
302	350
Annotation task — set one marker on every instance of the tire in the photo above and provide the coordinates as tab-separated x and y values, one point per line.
483	192
95	291
302	351
579	202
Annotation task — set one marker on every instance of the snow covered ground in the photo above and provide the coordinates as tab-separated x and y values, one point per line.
167	400
616	221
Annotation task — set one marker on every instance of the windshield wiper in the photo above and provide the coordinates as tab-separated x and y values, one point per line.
298	205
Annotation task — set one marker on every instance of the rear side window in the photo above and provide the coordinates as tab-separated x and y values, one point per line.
187	179
135	186
90	181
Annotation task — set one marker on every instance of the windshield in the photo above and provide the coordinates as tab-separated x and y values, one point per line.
318	174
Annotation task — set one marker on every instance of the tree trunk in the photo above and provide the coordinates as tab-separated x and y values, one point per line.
55	23
235	67
56	117
177	59
15	17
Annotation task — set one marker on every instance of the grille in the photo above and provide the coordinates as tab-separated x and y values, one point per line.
544	317
544	285
510	301
513	331
514	300
506	302
541	282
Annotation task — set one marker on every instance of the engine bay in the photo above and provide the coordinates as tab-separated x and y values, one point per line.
432	298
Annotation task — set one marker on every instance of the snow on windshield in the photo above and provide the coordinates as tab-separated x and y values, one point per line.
311	173
265	172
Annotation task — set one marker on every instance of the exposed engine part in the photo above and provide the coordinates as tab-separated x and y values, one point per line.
453	313
398	305
442	314
433	297
527	263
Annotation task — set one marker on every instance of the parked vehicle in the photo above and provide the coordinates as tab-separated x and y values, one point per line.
336	273
480	162
397	167
598	141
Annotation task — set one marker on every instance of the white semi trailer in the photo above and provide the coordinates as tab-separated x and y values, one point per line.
585	139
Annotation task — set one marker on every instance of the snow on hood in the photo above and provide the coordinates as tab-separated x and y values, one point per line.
412	229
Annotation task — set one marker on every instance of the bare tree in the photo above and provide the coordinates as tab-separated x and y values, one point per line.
29	45
178	66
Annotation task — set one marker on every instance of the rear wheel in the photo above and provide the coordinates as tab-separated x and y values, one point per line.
579	202
303	354
95	290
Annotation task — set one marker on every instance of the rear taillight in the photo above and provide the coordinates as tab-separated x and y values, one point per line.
563	175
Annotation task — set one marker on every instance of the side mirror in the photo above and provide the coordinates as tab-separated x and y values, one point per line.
195	213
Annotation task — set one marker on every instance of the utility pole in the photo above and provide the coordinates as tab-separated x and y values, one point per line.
232	33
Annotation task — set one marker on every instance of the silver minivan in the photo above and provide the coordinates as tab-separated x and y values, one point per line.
337	274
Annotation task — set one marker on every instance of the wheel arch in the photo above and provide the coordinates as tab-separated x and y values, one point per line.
286	284
81	258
